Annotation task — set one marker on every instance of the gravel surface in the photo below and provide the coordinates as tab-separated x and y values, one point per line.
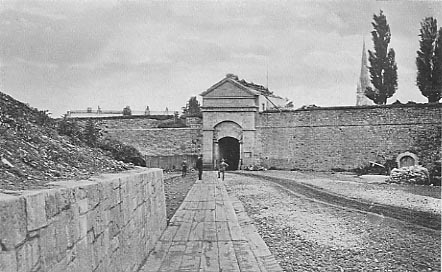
416	197
176	189
305	235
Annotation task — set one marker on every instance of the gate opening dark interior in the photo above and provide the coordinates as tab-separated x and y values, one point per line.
229	150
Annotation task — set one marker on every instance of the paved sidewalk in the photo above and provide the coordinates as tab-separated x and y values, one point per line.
210	232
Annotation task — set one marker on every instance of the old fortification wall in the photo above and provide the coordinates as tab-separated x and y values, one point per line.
341	137
159	141
142	132
311	139
105	224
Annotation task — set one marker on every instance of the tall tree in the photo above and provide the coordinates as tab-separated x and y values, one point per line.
192	107
383	70
429	60
91	133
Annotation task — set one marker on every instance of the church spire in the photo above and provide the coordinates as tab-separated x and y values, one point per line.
364	80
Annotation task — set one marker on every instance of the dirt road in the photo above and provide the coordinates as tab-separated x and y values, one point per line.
309	235
425	218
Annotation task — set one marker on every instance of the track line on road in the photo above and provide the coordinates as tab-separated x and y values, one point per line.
384	211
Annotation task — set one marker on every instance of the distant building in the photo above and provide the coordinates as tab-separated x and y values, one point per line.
364	81
99	113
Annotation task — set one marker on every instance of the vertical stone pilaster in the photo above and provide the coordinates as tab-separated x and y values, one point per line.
208	148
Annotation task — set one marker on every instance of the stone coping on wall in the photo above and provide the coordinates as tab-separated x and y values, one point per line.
411	105
155	117
151	129
106	223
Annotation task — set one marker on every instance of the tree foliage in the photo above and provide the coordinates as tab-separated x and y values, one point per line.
91	133
70	128
429	60
192	108
383	69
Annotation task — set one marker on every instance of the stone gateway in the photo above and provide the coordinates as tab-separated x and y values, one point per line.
230	112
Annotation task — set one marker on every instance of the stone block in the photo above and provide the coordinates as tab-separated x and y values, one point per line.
28	255
115	221
60	266
71	255
12	221
72	225
61	238
84	255
47	244
8	261
93	195
97	250
82	226
35	209
51	208
64	198
107	194
83	206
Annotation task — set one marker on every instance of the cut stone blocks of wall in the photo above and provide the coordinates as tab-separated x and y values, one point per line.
108	223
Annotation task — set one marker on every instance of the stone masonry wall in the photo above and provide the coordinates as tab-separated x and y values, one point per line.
341	137
160	141
143	133
108	223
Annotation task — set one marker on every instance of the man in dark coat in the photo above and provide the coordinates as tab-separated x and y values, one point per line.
199	166
184	169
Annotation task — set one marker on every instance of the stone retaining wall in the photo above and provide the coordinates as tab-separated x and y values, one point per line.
109	223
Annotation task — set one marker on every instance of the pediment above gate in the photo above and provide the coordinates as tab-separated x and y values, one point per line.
229	88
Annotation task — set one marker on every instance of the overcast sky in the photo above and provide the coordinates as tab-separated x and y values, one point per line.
66	55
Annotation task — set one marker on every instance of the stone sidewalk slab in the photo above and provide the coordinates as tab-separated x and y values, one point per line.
210	232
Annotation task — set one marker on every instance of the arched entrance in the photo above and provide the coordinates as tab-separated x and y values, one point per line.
229	150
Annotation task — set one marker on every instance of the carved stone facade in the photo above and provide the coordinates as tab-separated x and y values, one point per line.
230	111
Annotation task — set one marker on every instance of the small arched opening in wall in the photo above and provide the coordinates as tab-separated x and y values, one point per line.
227	141
407	159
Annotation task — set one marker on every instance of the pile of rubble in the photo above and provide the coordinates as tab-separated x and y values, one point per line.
412	175
33	153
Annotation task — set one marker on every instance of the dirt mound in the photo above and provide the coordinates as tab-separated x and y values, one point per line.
33	153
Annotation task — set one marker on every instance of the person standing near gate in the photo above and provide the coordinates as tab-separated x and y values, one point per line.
184	168
222	168
199	166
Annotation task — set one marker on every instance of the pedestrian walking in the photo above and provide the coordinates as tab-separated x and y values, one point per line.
184	169
222	168
199	166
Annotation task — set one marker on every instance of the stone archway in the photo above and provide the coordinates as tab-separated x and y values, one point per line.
229	148
227	141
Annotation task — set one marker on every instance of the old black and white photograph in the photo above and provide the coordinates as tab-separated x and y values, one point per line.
220	135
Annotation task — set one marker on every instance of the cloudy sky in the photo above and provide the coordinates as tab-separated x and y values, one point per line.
65	55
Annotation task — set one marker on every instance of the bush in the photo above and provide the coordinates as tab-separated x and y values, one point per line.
70	128
122	152
412	175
